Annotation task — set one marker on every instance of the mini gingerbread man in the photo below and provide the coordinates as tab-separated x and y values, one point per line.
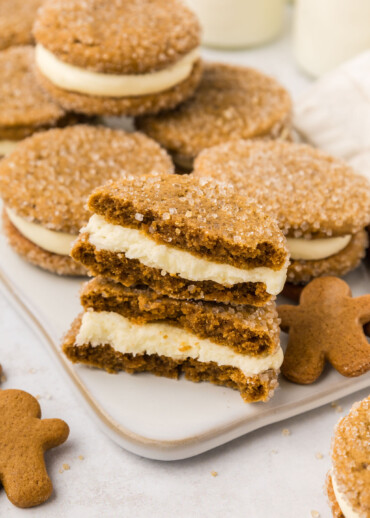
24	438
327	325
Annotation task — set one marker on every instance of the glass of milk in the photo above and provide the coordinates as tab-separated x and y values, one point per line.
238	23
329	32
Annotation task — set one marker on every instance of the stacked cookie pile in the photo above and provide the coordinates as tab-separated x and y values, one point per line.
186	273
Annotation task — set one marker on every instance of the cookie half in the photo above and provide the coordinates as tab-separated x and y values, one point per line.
136	329
232	102
184	237
46	181
16	20
24	107
127	57
322	206
348	483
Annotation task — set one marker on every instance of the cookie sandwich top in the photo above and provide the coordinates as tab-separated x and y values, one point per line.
116	48
231	102
16	20
46	181
350	455
24	107
314	196
198	229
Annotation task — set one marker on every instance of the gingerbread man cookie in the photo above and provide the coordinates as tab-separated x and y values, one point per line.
327	325
24	438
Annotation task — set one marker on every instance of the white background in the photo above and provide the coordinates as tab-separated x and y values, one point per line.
265	474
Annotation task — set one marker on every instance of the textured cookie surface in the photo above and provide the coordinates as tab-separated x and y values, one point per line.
230	103
129	106
16	20
245	329
252	389
59	169
120	36
312	194
204	217
24	438
326	326
60	264
24	107
351	457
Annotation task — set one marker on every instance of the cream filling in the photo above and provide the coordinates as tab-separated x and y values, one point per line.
124	336
137	245
7	146
345	507
75	79
50	240
316	249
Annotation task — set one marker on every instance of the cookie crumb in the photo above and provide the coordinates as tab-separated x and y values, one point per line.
38	396
47	396
319	455
286	432
214	473
61	470
315	514
32	370
274	452
339	409
66	467
81	457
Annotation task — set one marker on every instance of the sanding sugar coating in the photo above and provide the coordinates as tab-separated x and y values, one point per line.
24	107
50	175
16	20
117	36
200	215
230	103
351	457
312	193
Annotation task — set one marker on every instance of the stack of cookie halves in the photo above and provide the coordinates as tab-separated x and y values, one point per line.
186	273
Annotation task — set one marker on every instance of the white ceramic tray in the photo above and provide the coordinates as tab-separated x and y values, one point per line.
156	417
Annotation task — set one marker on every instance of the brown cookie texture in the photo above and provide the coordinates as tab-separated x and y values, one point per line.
48	178
119	37
24	438
245	329
130	272
302	272
24	106
16	20
231	102
60	264
351	456
327	325
201	216
252	389
312	194
129	106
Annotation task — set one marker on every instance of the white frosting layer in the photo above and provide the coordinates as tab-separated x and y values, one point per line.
75	79
50	240
344	505
316	249
7	146
137	245
124	336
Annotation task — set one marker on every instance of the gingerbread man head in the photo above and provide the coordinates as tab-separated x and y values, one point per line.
326	326
24	438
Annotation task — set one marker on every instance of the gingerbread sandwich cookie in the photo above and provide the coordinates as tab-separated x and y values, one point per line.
16	20
127	57
348	483
46	181
136	330
232	102
24	107
322	206
184	237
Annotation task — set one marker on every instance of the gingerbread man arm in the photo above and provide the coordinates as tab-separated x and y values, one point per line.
52	432
287	316
362	305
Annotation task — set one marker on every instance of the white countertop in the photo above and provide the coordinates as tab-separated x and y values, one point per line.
266	474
